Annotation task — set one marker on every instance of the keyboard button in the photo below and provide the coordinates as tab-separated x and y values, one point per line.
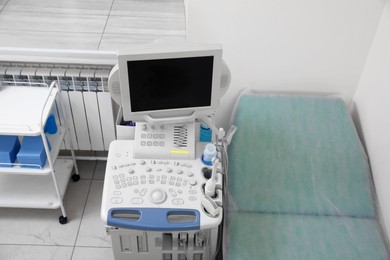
143	143
172	192
116	200
177	201
155	136
143	192
137	200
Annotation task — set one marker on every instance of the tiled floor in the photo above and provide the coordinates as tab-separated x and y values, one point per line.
90	24
36	234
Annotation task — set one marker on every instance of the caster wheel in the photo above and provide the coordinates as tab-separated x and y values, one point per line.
63	220
75	177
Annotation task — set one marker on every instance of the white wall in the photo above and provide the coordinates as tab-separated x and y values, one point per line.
373	105
305	45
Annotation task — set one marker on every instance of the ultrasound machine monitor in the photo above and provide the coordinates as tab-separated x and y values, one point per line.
170	84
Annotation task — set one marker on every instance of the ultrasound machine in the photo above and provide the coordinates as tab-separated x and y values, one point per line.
163	191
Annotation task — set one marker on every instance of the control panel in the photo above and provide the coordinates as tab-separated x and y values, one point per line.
169	141
156	194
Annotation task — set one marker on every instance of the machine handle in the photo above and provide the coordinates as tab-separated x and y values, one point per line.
154	219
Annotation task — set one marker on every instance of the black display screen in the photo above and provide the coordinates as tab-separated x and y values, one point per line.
170	83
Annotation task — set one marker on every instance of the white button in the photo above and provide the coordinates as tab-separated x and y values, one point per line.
177	201
148	169
142	162
169	169
172	192
137	201
143	192
131	171
158	196
144	127
116	200
118	155
117	193
190	174
178	171
192	182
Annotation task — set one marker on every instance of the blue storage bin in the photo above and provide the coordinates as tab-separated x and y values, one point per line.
9	147
51	126
32	151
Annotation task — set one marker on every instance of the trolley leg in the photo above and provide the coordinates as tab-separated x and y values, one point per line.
62	219
76	175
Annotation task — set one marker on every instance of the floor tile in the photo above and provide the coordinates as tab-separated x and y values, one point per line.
50	40
2	4
86	169
100	170
145	25
92	253
92	229
60	7
148	8
43	22
16	252
125	41
41	226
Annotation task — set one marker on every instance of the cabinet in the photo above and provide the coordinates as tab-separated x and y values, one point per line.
24	111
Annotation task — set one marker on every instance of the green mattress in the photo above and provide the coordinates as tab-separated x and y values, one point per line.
299	183
278	236
298	155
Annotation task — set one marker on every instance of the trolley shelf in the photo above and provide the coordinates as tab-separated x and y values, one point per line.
55	141
21	191
21	109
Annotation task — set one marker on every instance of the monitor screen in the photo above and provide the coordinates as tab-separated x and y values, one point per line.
170	83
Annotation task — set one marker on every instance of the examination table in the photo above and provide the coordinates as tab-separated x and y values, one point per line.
299	182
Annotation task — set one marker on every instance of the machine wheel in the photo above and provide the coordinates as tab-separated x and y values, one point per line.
63	220
75	177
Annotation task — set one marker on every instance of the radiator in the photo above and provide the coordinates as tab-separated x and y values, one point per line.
83	92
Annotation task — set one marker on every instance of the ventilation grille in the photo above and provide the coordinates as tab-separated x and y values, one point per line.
84	92
180	134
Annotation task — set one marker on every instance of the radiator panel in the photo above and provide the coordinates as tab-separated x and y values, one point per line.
84	96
